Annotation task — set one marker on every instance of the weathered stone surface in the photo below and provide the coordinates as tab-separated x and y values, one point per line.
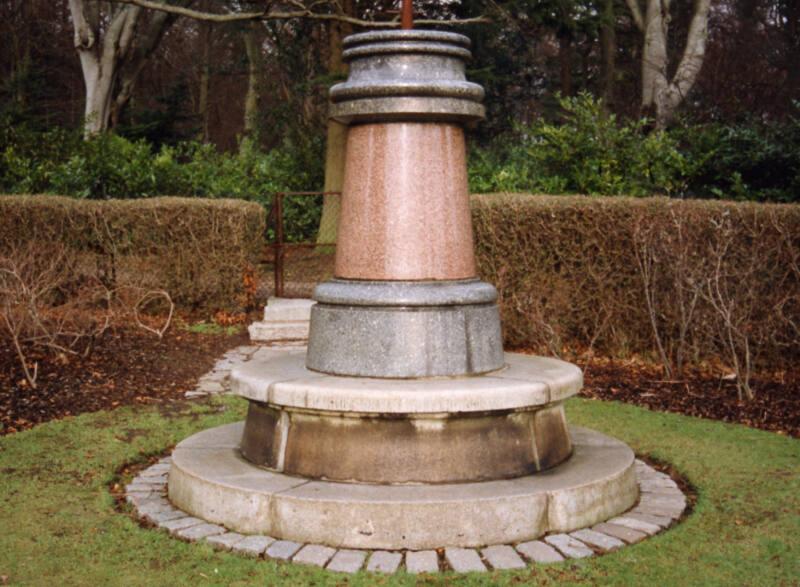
502	557
253	545
597	540
430	65
384	341
672	511
539	552
660	521
314	554
347	561
225	541
286	310
405	293
282	549
285	381
163	516
276	331
424	449
200	531
382	561
463	560
624	533
157	470
422	561
635	524
195	394
177	524
569	546
211	387
218	485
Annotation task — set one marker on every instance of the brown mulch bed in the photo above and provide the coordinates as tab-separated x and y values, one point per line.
776	406
130	367
134	367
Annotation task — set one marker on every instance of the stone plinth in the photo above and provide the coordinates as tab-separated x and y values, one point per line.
209	479
503	425
284	319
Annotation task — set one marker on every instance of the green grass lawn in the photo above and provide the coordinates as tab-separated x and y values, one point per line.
58	525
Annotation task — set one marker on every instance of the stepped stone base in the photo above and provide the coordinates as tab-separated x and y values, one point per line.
284	319
211	480
506	424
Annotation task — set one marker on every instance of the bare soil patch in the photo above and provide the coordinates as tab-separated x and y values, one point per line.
129	366
699	392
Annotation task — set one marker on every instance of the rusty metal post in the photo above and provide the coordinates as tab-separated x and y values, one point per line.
407	21
279	248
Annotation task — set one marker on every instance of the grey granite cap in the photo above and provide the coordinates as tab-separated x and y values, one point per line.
407	75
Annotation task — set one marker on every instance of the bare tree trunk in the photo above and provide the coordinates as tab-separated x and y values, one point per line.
337	136
660	94
608	48
112	64
565	54
254	66
206	32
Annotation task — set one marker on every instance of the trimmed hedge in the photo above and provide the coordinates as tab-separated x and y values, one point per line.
197	250
681	280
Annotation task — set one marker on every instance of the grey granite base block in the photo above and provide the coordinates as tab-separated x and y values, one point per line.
406	329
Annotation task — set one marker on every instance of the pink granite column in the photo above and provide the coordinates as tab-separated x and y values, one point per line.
405	207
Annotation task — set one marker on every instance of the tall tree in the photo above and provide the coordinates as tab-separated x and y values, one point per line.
113	45
662	93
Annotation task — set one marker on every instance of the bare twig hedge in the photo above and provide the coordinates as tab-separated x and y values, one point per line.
684	281
197	250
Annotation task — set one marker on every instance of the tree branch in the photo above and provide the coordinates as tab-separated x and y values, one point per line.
304	12
636	12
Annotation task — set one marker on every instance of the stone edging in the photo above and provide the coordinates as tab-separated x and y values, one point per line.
660	505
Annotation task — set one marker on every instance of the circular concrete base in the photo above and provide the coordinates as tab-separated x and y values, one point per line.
209	479
507	424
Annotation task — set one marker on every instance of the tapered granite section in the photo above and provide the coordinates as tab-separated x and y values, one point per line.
405	207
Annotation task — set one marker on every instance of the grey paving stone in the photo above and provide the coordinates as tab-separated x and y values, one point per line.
502	557
597	539
136	498
173	526
282	549
422	561
142	487
383	561
624	533
463	560
200	531
165	461
163	516
660	521
160	479
156	471
347	561
195	394
314	554
254	545
210	387
652	510
569	546
658	483
661	499
154	483
633	523
153	506
539	552
225	541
